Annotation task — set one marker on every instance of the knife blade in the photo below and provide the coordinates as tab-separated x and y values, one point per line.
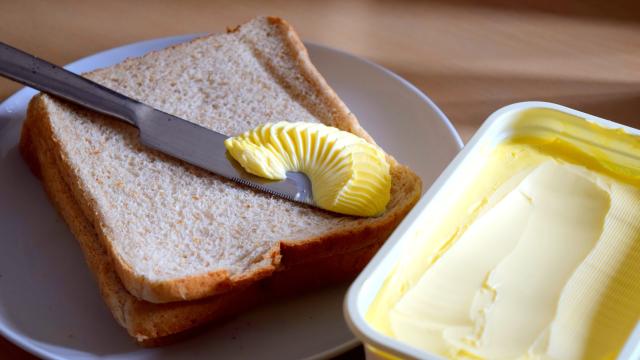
161	131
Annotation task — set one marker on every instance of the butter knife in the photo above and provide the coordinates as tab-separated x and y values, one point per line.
164	132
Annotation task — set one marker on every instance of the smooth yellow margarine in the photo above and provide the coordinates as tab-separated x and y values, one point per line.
348	175
538	259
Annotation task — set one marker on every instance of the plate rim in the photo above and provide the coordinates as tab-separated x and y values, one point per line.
29	344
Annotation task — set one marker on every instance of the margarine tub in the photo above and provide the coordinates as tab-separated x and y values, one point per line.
526	247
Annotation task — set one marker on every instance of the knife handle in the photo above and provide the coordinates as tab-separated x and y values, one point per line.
47	77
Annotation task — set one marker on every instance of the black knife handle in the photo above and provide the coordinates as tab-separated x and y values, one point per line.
47	77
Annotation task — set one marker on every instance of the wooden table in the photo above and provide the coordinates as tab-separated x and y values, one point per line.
469	59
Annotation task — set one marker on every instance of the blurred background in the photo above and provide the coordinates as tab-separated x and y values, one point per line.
470	57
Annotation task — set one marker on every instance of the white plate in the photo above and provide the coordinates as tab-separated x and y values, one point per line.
50	305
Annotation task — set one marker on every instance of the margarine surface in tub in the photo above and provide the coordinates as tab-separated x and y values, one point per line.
536	256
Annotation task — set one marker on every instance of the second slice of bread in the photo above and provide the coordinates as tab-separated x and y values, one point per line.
174	232
156	324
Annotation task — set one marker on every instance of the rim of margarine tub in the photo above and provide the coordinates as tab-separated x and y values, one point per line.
367	285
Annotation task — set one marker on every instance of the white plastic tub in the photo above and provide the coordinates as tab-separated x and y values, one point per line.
432	206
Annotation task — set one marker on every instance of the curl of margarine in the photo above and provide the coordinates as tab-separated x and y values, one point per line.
348	175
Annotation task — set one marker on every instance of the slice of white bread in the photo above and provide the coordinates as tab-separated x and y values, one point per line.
174	232
155	324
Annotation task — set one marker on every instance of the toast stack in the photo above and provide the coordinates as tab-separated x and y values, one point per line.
173	246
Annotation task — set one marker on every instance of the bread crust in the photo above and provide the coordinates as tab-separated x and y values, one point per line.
152	324
406	190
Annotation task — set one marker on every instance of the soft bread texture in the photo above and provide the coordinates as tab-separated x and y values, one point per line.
156	324
174	232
